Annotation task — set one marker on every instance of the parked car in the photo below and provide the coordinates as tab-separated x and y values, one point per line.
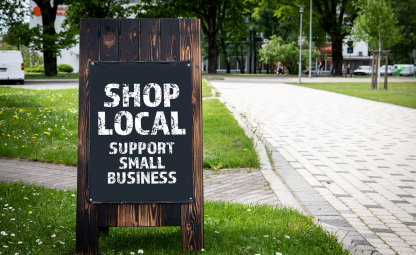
401	67
363	70
11	66
391	70
407	71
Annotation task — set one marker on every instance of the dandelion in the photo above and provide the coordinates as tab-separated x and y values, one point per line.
49	96
20	110
15	116
46	133
8	135
70	103
4	233
34	137
31	93
140	251
51	108
23	146
53	236
51	99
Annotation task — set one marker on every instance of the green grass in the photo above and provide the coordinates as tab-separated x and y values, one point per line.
206	89
399	93
43	220
25	116
225	144
30	76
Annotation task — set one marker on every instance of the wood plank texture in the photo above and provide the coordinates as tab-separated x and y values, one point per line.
109	51
87	230
149	214
193	213
149	39
170	214
129	41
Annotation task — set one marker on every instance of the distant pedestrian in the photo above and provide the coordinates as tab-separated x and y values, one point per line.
348	69
318	72
279	68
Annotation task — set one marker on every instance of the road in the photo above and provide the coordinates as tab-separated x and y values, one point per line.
356	155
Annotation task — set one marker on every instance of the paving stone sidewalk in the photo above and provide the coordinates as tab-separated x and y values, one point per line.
246	186
355	154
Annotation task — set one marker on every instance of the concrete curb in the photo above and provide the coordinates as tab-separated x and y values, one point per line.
31	81
282	192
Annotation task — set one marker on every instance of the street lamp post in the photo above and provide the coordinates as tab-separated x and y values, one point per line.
300	43
310	43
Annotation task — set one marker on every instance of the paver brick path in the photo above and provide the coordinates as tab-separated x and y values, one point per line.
360	155
234	185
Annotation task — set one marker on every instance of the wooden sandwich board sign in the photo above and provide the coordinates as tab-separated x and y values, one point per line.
140	128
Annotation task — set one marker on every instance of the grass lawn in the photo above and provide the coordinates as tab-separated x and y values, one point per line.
43	125
30	76
206	89
399	93
39	220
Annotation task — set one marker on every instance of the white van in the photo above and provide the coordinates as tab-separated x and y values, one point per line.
11	66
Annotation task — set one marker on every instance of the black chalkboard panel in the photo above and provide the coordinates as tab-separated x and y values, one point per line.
140	132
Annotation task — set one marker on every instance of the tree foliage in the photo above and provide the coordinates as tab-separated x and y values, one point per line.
212	13
377	24
405	12
12	12
101	9
276	49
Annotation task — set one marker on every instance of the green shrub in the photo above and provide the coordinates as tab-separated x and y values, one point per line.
35	70
64	68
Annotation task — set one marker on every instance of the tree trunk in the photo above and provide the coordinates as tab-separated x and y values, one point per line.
337	58
48	24
255	62
225	53
211	33
266	66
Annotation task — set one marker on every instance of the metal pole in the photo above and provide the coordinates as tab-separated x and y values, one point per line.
310	43
300	51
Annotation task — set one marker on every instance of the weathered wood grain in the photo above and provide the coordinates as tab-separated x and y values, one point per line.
109	51
193	213
149	39
87	230
109	39
129	41
169	46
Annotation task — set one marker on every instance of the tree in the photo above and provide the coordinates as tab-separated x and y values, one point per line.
100	9
276	49
376	24
405	12
212	14
335	17
12	12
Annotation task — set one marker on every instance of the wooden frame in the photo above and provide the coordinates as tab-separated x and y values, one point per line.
139	40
